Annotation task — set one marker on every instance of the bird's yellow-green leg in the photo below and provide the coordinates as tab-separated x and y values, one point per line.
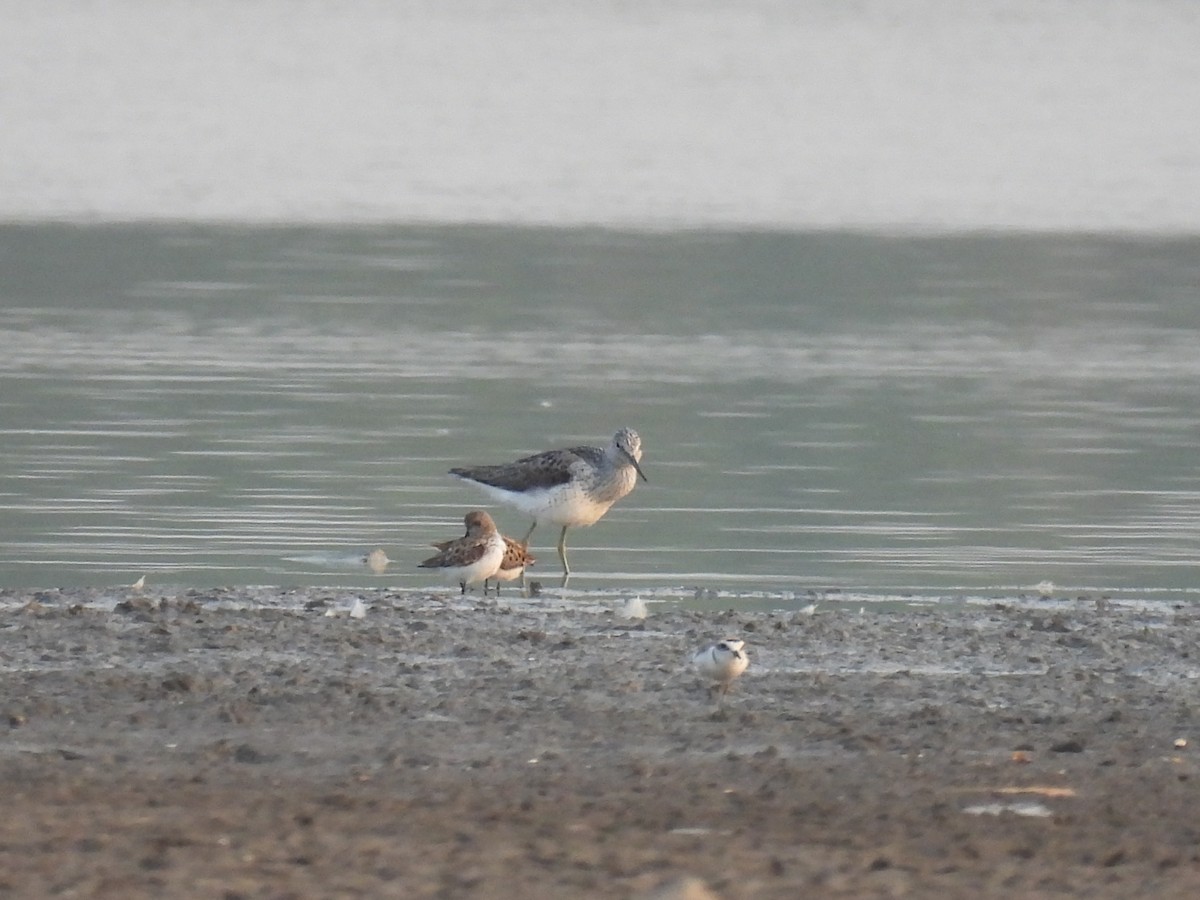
562	551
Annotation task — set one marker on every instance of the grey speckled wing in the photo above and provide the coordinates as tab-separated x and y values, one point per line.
542	470
593	456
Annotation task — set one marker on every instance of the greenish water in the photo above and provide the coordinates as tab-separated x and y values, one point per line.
882	414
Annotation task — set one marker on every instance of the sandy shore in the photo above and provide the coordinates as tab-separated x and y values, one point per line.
184	746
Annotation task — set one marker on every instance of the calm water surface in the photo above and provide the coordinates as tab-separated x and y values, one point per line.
824	407
938	415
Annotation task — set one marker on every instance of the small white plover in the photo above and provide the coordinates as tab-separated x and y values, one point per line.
721	663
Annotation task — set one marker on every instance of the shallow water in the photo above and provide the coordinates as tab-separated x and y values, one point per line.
825	408
931	415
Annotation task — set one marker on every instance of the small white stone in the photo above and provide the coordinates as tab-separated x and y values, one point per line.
377	561
633	608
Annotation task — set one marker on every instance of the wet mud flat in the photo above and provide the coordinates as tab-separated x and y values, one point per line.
267	744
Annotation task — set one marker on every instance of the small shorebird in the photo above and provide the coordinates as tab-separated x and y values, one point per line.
721	663
572	487
473	558
512	566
